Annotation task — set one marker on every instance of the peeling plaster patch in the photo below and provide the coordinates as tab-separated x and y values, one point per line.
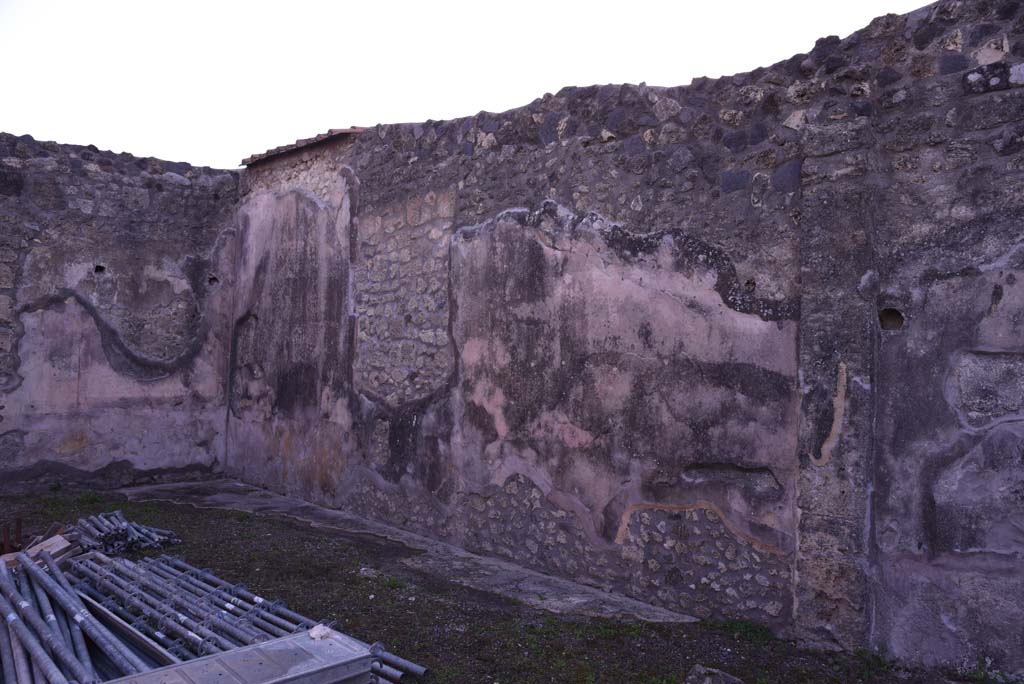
177	283
477	351
615	389
838	412
863	382
510	461
492	400
73	443
623	360
987	387
121	355
559	426
1017	74
75	272
977	497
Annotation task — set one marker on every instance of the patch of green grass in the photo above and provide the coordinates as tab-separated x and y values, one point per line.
801	675
89	498
446	674
744	630
620	630
661	679
146	508
637	629
394	583
68	506
871	666
982	673
54	508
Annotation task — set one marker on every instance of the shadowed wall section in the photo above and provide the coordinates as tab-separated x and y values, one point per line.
289	420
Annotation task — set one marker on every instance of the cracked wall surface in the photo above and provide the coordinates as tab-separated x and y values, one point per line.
749	348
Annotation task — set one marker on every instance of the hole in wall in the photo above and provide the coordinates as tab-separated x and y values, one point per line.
890	319
212	280
99	268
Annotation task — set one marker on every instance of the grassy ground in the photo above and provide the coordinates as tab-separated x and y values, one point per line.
462	635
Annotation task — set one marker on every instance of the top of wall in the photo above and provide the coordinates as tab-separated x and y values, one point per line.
947	38
26	147
943	38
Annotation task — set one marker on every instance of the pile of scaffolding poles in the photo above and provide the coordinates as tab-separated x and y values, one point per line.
46	631
114	534
49	636
192	612
235	598
188	616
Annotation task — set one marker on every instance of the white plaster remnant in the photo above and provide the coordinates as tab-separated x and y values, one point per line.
838	412
1017	74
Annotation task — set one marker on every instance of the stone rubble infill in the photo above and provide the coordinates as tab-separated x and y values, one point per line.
553	594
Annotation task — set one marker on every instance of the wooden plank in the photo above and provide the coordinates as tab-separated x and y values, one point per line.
57	546
53	530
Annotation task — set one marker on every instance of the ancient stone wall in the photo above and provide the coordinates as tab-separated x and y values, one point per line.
289	416
674	356
747	348
110	349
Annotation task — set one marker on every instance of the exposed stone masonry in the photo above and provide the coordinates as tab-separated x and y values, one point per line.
746	348
402	306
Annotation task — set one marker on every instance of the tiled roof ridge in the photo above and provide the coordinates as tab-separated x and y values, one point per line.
299	144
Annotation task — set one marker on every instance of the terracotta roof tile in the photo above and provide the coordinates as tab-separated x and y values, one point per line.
299	144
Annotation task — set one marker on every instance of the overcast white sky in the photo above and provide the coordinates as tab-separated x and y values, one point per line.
210	81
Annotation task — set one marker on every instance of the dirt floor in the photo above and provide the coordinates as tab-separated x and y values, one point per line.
359	584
